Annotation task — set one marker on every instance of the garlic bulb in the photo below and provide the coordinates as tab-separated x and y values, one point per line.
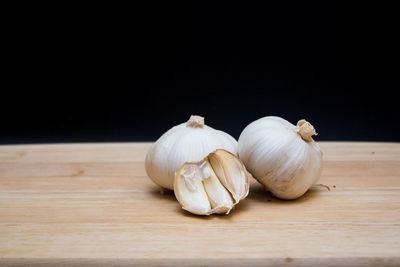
190	141
214	185
281	156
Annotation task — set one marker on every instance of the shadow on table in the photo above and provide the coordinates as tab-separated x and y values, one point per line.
257	193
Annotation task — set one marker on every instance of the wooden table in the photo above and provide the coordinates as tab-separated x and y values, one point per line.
93	204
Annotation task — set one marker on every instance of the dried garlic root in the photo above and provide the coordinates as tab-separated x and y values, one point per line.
214	185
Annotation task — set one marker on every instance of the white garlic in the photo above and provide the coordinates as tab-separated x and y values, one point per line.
214	185
186	142
281	156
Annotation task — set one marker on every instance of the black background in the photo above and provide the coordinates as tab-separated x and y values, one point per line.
95	73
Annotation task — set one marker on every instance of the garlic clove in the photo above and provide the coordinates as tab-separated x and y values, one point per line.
220	199
231	172
190	191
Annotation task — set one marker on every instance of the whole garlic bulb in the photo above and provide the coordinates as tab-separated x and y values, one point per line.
186	142
281	156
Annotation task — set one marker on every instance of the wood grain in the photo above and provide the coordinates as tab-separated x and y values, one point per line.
92	204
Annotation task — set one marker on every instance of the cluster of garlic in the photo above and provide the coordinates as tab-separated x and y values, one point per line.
214	185
201	163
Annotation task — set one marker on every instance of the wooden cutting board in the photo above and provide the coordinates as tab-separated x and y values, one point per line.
92	204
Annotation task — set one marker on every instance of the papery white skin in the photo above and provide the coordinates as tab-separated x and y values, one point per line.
274	152
187	142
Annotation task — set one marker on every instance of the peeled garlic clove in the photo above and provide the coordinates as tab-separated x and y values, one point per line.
230	171
186	142
199	182
281	156
190	191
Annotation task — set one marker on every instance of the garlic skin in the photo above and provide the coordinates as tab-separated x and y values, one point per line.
281	156
186	142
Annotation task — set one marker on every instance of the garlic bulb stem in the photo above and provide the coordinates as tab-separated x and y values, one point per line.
195	121
305	130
